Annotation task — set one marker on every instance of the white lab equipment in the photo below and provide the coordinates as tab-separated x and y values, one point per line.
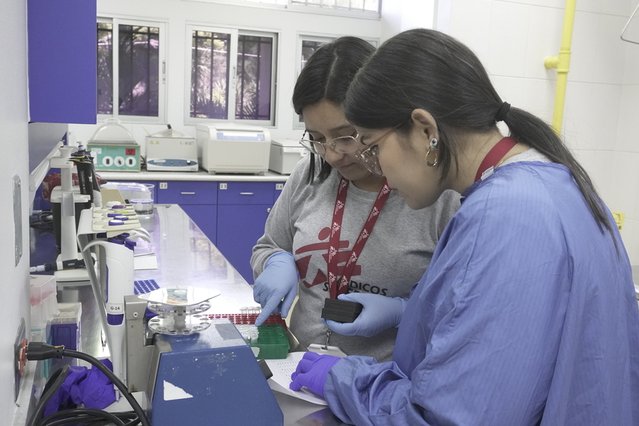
285	154
232	148
114	148
171	151
118	261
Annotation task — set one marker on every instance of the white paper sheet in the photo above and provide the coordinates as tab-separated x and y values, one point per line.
282	370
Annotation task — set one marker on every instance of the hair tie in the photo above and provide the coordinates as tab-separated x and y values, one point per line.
502	112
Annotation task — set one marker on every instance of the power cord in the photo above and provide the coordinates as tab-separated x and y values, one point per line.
41	219
86	415
52	385
40	351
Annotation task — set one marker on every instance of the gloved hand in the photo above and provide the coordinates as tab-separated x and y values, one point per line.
378	314
312	371
276	286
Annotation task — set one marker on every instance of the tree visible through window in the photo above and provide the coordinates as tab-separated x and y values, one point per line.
211	81
137	49
139	70
105	68
253	89
209	74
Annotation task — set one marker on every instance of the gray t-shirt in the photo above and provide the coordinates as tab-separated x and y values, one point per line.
394	258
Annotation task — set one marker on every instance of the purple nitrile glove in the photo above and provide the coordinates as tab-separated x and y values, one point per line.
83	386
96	390
312	371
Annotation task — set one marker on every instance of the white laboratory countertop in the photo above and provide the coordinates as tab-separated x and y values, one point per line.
192	176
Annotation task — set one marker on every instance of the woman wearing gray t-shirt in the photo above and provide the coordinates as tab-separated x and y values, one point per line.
337	228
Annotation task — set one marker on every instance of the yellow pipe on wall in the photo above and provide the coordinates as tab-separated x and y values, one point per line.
562	63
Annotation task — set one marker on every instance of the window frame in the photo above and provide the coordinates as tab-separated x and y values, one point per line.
234	33
162	81
290	6
336	11
298	123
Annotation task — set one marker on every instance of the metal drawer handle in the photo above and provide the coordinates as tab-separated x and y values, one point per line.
187	193
246	193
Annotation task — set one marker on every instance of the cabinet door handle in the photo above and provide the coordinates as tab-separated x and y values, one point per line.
246	193
187	193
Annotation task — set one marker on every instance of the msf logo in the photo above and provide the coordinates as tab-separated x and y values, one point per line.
312	276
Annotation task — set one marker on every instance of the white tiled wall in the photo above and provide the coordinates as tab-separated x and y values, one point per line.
601	115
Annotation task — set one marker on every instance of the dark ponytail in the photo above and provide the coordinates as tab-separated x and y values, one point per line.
430	70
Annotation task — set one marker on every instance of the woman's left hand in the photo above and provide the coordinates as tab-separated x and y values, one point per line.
312	371
379	313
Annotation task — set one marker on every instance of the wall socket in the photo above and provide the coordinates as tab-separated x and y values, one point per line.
19	357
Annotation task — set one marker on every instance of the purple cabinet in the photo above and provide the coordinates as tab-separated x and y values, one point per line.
62	45
241	213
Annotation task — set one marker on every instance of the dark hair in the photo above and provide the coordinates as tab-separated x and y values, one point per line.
327	75
428	69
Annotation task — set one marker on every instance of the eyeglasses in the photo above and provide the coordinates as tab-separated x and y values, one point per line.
368	156
341	144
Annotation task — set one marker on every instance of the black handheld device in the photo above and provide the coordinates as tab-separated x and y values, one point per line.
341	310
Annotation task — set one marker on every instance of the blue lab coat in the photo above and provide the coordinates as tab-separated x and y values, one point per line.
527	315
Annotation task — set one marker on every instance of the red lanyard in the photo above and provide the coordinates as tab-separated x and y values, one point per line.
493	157
340	286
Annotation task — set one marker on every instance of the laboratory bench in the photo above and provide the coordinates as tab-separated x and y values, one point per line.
231	210
185	257
199	176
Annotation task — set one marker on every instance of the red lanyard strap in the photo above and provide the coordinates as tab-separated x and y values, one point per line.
340	285
495	154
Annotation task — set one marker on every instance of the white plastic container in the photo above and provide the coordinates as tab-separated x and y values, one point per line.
131	190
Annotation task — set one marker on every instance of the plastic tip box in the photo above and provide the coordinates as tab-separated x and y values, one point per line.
269	340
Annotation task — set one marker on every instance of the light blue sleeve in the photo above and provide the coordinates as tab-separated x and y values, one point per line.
370	391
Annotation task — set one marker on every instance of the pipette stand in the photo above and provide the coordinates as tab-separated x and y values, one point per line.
70	200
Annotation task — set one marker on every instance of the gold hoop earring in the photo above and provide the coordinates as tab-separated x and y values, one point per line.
432	150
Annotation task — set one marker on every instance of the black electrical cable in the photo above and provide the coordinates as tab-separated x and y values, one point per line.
90	416
52	385
78	415
39	350
133	422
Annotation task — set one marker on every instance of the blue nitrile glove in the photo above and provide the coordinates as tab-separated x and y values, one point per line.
312	371
276	287
379	313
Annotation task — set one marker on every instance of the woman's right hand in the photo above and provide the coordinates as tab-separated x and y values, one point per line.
276	287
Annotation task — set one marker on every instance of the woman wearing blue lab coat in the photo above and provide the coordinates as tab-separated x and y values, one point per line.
527	314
